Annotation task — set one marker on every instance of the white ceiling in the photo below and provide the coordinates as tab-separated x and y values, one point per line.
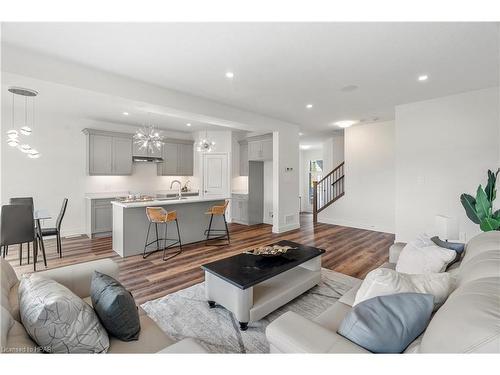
280	67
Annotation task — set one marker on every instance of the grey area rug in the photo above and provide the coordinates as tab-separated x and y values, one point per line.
186	314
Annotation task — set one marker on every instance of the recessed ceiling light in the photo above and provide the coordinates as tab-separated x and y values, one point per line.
188	124
305	147
229	75
345	123
125	113
301	134
423	77
309	106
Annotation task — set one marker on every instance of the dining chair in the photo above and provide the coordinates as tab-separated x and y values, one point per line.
29	202
17	227
57	230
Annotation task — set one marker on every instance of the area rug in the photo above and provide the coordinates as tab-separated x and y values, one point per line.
186	314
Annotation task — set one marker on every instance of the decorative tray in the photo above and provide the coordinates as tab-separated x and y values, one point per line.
270	251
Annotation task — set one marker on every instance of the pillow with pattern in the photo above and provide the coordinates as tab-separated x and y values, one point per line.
58	320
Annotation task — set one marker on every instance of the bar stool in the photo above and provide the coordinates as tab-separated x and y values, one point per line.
157	215
217	211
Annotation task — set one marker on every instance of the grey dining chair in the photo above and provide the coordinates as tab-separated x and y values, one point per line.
57	230
29	202
16	226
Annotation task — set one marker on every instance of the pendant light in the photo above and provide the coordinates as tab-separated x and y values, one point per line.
148	137
205	145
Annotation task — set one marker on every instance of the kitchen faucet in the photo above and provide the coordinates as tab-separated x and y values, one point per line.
179	194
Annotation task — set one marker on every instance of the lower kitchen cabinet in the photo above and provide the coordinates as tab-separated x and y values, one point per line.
239	209
99	217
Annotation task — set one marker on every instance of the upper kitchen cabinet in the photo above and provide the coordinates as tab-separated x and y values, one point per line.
243	158
137	150
260	148
108	153
177	157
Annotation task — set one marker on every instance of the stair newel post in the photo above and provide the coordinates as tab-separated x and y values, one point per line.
315	201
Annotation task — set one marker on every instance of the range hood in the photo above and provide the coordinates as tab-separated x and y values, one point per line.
146	159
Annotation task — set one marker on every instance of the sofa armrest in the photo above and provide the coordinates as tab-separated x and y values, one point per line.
292	333
77	277
186	346
395	251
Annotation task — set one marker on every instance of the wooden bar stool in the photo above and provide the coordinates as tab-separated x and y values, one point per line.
157	215
217	211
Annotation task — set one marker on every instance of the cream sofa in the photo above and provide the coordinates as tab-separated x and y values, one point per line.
468	322
77	278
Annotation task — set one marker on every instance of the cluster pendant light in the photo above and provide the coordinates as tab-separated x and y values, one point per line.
17	138
205	145
149	138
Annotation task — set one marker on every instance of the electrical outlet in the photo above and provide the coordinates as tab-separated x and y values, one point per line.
270	214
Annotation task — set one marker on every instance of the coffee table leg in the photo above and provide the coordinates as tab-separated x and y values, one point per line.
243	326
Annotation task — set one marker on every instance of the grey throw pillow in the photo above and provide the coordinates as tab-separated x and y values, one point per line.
388	324
115	307
58	320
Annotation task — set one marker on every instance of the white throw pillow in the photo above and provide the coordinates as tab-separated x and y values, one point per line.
384	281
58	320
423	256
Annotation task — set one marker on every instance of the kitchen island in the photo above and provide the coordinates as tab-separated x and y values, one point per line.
130	223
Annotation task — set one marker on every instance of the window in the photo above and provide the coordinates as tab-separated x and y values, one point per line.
315	174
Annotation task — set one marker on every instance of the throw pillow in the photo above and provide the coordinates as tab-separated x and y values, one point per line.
388	324
385	281
455	246
115	307
58	320
6	324
423	256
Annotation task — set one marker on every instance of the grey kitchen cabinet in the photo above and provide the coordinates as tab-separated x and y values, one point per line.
239	209
177	158
108	153
244	158
101	217
260	148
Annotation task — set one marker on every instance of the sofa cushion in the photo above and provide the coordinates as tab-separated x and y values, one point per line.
388	324
468	322
151	339
484	264
18	341
58	320
8	279
14	302
6	324
115	307
333	316
481	243
384	281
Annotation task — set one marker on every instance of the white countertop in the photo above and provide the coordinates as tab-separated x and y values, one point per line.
116	194
166	202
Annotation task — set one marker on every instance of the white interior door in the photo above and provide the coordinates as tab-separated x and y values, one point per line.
215	175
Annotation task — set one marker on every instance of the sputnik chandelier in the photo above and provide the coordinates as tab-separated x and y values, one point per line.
148	137
17	134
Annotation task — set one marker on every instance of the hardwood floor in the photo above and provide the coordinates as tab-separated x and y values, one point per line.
351	251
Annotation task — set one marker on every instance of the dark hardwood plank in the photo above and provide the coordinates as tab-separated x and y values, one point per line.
352	251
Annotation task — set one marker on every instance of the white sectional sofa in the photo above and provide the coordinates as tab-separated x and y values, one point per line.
468	322
77	278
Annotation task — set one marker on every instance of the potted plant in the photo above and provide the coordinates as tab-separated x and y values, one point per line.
480	209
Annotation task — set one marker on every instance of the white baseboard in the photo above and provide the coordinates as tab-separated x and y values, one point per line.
286	228
345	223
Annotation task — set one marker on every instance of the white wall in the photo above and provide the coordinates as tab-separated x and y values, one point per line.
268	192
333	151
369	183
444	147
305	157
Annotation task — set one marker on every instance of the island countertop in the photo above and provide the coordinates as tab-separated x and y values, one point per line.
166	202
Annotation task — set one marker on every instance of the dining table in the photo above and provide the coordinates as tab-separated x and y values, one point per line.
39	215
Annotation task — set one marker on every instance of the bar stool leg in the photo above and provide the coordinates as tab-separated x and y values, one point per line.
178	234
227	230
20	254
209	229
144	255
157	238
173	244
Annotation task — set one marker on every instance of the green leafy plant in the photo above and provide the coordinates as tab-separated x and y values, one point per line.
480	209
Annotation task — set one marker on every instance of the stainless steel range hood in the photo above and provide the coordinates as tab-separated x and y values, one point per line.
146	159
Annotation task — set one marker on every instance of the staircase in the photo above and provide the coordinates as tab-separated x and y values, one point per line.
328	190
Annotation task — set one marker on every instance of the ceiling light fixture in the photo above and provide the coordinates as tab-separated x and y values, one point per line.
301	134
148	137
305	147
205	145
309	106
423	77
345	123
230	75
125	113
188	124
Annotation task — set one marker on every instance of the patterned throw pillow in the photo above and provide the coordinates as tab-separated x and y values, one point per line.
58	320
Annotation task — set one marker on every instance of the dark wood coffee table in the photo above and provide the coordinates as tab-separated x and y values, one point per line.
252	286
